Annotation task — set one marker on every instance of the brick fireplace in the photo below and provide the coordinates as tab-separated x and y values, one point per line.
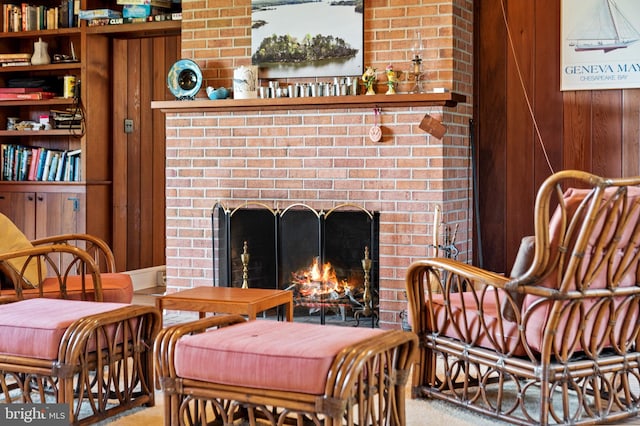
323	156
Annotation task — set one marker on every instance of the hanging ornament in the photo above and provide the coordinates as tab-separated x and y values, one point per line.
375	132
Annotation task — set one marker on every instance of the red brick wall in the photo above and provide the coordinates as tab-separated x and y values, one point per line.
324	157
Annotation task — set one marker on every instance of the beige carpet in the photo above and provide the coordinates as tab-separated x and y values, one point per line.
419	413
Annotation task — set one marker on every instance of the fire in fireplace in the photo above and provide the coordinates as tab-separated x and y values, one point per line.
328	259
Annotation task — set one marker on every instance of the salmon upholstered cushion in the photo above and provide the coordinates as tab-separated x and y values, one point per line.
34	328
463	322
264	354
570	324
116	288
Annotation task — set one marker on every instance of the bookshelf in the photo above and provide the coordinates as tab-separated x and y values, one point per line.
55	203
84	203
80	201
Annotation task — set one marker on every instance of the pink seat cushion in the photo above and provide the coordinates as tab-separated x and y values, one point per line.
34	328
116	288
265	354
463	322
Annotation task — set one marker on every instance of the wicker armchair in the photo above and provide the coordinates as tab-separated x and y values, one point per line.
69	266
557	343
60	345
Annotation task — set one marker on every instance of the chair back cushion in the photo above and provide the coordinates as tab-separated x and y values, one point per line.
13	239
594	239
116	288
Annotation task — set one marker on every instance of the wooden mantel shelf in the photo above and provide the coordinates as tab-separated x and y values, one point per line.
447	99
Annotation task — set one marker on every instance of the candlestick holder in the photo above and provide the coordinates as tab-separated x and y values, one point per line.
416	72
416	63
244	257
367	309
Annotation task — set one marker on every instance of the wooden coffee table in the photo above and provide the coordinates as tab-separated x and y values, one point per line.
229	300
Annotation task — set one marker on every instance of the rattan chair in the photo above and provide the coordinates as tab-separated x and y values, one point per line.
555	344
62	342
68	266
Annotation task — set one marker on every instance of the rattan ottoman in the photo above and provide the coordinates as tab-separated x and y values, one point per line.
218	370
96	357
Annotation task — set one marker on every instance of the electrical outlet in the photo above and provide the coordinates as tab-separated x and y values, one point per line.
128	126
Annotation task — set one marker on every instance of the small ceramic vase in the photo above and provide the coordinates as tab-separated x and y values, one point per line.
40	54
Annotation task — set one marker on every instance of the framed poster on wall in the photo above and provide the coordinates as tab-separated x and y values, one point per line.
600	44
307	38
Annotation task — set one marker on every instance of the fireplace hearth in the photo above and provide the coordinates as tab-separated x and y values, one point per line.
328	259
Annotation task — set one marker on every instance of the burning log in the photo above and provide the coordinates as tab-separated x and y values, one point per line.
318	285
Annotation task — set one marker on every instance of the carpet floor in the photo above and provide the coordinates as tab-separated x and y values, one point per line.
419	413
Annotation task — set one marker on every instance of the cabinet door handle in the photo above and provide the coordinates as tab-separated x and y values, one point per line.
1	197
30	197
40	198
76	203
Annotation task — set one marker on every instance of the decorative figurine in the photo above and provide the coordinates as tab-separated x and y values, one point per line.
219	93
369	79
392	79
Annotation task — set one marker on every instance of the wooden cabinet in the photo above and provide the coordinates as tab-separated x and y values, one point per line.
41	214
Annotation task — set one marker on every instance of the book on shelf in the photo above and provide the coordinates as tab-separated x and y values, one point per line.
20	89
166	4
25	163
6	57
96	22
16	64
35	154
99	13
34	96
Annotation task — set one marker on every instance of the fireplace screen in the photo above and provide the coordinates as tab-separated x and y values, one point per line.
329	260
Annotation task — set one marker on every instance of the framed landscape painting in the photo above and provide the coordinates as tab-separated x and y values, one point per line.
307	38
600	44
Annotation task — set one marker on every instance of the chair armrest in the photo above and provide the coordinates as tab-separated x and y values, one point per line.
443	277
77	262
96	247
146	321
440	277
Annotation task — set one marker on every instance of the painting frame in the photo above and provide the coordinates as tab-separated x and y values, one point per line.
307	38
600	44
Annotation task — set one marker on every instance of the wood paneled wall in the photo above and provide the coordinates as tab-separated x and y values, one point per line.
595	131
139	74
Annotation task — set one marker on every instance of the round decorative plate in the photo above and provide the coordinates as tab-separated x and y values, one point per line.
184	79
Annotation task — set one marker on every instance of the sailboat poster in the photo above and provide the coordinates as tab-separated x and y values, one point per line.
600	44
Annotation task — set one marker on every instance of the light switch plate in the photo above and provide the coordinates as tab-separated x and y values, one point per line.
128	126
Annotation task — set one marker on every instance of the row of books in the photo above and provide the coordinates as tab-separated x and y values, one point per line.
25	163
29	17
